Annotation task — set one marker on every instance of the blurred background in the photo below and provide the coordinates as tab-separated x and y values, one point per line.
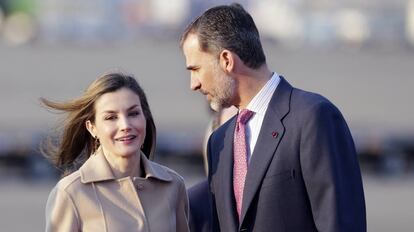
359	54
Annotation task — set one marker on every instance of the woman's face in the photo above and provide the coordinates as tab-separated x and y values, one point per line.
119	123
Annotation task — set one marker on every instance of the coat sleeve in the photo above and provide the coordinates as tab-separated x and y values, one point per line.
331	171
61	213
182	208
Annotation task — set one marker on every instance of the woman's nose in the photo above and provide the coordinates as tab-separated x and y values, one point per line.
124	124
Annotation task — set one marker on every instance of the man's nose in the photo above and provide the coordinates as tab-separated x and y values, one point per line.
195	83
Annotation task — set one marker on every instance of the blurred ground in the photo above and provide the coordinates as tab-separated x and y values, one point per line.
390	204
389	201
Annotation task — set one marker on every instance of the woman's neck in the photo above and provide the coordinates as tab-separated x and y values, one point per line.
125	166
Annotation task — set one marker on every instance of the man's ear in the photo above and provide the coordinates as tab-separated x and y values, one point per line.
226	60
90	127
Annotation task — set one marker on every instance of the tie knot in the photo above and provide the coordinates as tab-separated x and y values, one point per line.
244	116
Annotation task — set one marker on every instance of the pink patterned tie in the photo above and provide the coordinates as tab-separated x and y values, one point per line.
240	157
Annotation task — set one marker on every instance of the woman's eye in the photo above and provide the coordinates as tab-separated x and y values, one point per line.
134	113
110	118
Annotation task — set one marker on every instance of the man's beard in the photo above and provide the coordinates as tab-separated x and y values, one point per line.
224	92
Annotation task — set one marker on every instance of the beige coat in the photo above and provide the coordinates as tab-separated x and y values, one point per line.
91	199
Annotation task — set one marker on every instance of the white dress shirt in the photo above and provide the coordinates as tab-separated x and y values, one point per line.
259	105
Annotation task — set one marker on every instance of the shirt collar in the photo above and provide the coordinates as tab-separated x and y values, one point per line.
97	168
261	100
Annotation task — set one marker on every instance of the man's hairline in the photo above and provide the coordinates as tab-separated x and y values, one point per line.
200	48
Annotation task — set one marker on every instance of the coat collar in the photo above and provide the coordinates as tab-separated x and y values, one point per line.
97	168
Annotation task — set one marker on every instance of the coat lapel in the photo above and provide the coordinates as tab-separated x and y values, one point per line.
271	133
224	191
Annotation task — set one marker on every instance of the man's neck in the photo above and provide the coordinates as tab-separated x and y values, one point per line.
250	82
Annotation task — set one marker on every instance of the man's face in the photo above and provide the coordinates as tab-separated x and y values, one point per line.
207	76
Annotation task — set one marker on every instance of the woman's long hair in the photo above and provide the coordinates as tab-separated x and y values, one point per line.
75	144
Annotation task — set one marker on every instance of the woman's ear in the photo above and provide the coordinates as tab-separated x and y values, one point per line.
226	60
90	127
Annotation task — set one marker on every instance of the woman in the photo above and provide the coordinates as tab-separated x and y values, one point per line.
117	188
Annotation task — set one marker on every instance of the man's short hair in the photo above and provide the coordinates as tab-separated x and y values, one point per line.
228	27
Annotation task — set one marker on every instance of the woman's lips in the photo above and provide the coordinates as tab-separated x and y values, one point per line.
126	138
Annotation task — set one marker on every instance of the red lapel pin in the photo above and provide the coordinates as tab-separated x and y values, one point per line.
275	134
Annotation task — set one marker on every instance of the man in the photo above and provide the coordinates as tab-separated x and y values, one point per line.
287	161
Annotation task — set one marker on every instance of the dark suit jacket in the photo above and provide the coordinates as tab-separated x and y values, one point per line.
200	208
303	174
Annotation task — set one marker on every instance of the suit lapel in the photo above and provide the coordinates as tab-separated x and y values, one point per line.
224	194
271	133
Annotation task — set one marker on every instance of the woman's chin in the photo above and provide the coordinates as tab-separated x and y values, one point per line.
126	153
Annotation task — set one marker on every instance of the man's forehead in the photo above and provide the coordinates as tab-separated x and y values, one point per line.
191	43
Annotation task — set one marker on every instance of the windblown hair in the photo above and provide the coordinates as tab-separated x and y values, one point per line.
228	27
75	144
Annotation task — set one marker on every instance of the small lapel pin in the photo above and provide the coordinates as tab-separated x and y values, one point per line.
275	134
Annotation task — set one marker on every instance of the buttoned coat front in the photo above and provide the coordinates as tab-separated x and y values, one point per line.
92	199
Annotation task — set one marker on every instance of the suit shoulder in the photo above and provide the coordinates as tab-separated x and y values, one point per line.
310	101
307	106
307	97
